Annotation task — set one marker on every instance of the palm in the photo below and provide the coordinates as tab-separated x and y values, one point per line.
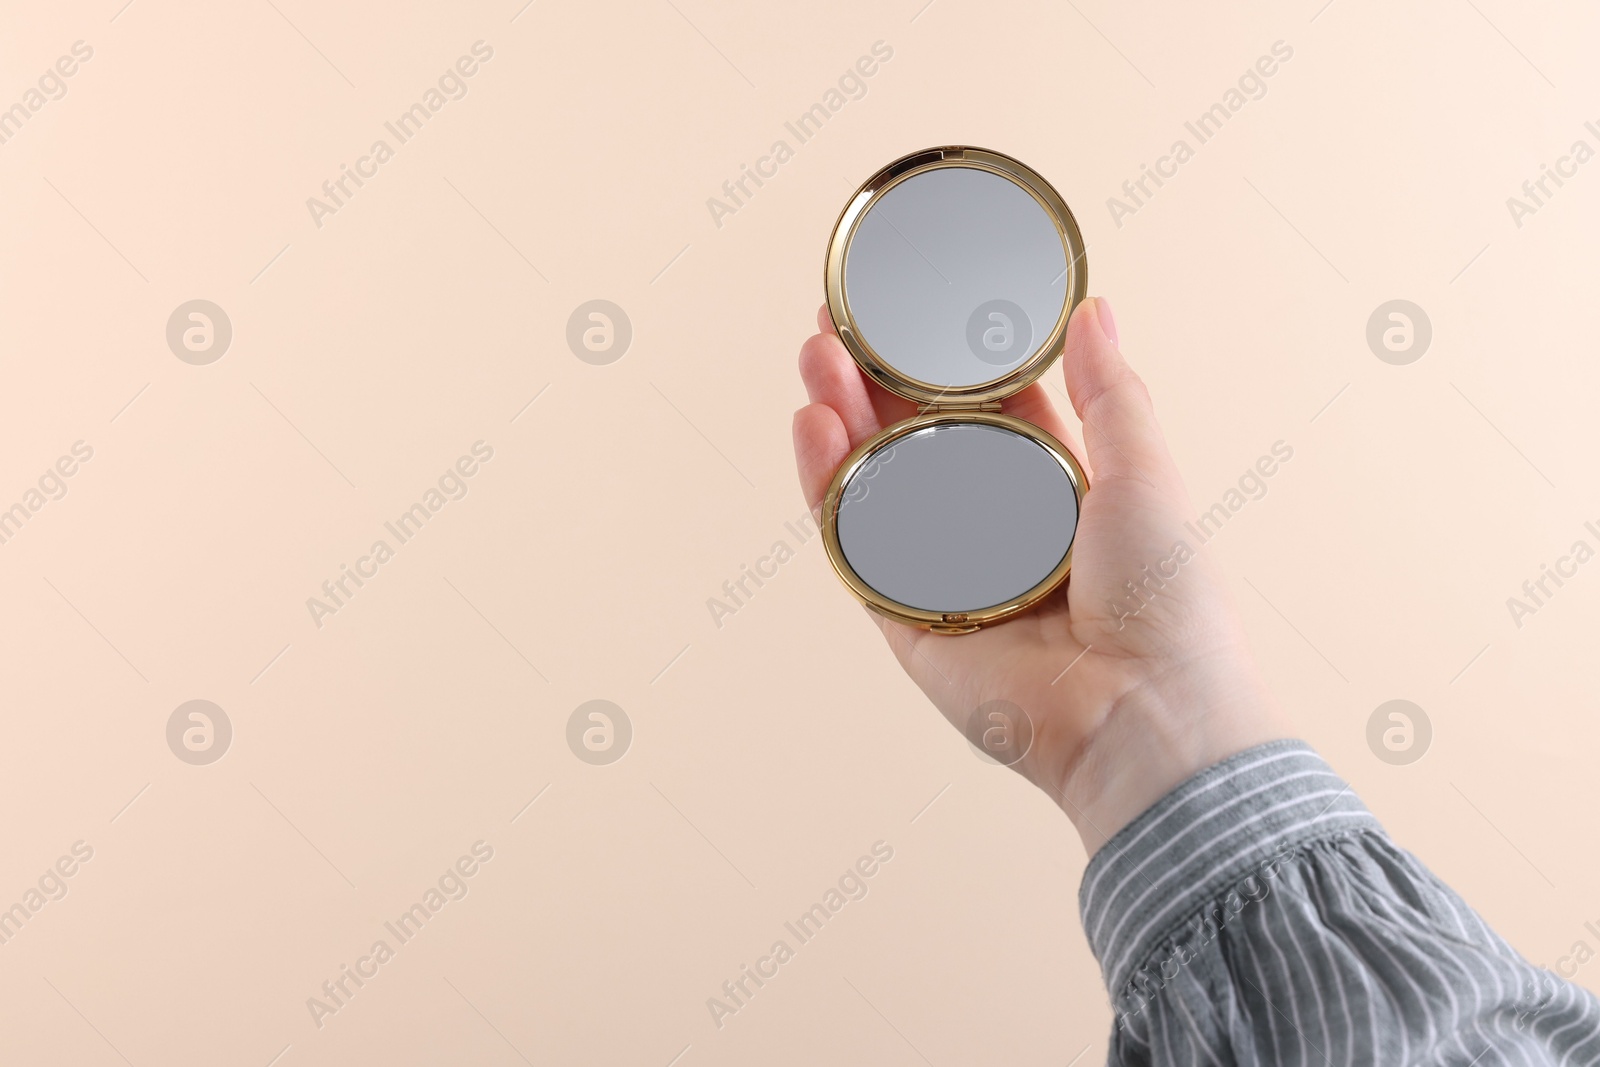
1067	661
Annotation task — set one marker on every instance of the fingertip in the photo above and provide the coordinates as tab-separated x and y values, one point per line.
1087	325
821	443
1121	432
825	320
832	378
1093	362
1108	321
820	362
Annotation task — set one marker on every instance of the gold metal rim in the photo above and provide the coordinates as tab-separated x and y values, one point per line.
1023	375
962	622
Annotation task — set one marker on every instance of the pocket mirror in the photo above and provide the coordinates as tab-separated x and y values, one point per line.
950	276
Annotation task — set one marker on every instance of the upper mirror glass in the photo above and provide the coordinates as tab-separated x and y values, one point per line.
955	276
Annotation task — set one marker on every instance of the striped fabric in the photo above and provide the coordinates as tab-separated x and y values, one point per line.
1258	914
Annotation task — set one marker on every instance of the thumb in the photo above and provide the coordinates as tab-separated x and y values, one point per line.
1119	423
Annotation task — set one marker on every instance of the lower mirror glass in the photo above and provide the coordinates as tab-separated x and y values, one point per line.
957	517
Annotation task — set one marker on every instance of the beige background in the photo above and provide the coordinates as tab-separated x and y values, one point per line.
769	753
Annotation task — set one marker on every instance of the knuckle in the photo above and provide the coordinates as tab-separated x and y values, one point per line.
1127	384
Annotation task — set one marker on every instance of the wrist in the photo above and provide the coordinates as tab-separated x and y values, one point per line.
1162	730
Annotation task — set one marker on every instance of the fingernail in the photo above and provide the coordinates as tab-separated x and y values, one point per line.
1108	321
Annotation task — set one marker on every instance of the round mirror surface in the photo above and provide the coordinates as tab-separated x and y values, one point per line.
955	276
957	517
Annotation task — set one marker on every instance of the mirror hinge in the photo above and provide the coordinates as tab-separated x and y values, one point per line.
947	409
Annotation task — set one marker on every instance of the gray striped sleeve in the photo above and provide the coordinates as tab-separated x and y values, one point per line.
1258	913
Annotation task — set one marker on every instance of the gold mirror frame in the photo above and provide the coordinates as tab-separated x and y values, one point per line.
844	229
950	405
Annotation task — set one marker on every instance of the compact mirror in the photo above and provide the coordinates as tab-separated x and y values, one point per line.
951	275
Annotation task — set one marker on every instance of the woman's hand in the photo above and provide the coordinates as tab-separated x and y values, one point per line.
1135	674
